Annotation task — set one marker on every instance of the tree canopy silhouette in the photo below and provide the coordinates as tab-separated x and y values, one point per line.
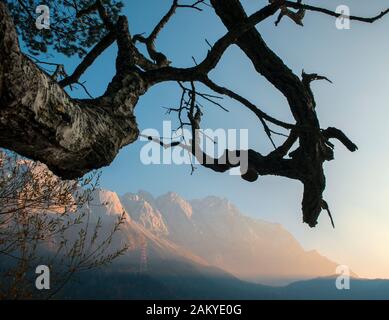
40	120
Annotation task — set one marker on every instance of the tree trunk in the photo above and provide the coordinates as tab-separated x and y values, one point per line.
40	121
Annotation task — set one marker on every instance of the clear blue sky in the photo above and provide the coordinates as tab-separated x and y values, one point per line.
356	60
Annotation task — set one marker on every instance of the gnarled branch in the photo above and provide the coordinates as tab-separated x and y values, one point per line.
39	120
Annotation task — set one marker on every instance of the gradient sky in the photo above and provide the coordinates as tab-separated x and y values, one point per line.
356	60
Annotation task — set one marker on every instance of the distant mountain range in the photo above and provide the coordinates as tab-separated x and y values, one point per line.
215	232
207	249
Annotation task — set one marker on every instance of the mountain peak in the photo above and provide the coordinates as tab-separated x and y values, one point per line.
215	230
106	204
147	196
144	212
111	201
215	205
173	202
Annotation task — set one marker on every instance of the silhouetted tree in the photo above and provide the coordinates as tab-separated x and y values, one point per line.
72	136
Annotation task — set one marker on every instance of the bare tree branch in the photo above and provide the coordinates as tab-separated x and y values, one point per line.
299	5
41	121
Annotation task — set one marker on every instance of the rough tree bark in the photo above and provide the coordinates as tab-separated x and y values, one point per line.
38	119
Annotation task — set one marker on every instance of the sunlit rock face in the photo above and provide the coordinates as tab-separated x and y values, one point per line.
144	214
174	205
250	248
111	202
214	230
